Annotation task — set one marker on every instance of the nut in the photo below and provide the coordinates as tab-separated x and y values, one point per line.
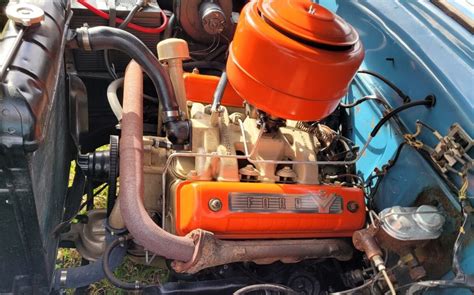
249	170
286	172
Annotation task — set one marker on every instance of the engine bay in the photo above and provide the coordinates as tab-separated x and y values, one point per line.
247	148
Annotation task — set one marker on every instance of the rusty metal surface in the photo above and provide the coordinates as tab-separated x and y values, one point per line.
364	240
145	231
374	238
213	252
436	256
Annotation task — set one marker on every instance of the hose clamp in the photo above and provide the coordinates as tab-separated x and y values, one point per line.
171	114
84	38
63	278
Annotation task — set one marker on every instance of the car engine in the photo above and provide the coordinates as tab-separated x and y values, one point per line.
223	134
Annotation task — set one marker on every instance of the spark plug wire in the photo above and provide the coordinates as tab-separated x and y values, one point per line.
132	26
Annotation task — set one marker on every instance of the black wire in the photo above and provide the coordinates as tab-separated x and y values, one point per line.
112	23
366	98
380	175
169	28
109	273
123	25
213	55
108	65
131	15
400	93
429	101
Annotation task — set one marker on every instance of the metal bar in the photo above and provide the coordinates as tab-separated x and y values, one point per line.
11	53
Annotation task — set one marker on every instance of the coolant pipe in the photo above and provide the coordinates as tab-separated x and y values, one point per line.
144	230
82	276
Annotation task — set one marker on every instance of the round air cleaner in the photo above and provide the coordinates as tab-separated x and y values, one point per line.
293	59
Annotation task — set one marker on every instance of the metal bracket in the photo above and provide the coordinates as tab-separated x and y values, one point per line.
451	153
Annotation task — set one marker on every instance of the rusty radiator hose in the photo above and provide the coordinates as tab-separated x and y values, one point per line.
200	249
145	231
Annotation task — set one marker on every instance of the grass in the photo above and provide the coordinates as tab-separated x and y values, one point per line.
128	271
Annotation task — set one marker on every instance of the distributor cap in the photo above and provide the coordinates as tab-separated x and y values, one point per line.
308	21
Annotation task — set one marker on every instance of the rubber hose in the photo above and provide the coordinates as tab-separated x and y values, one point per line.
394	87
429	101
81	276
102	37
113	98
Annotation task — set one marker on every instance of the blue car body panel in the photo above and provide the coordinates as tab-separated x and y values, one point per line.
423	51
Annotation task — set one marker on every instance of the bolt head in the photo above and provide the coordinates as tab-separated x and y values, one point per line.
215	204
352	206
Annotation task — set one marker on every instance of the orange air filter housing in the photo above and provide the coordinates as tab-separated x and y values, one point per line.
293	59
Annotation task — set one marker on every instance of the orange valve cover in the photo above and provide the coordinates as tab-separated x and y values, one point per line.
201	88
236	210
293	59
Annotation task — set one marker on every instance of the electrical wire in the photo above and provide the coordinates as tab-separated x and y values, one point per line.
131	14
109	273
400	93
379	175
168	32
467	212
366	98
112	22
131	25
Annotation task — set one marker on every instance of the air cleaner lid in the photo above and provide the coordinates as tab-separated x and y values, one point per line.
309	21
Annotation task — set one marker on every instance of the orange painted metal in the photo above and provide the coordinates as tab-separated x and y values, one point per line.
292	58
200	88
193	210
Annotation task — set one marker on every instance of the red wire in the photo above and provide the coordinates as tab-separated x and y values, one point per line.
133	26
